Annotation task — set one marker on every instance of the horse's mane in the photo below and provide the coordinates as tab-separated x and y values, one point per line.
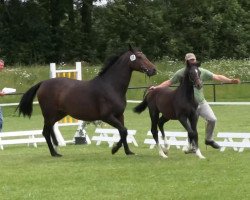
110	62
185	74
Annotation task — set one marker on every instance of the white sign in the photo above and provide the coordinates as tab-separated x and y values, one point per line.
8	90
133	57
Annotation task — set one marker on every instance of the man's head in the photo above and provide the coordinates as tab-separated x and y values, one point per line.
190	57
1	64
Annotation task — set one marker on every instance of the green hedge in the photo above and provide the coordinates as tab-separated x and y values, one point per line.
23	77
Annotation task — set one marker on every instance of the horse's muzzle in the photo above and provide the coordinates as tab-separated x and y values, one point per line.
199	85
151	72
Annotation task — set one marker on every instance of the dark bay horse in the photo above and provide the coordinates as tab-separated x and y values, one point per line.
176	104
102	98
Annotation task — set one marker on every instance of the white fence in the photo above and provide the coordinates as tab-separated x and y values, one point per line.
237	141
139	101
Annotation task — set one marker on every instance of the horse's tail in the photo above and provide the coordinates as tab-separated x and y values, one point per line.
25	104
142	106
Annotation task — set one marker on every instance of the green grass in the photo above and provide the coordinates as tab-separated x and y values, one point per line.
91	172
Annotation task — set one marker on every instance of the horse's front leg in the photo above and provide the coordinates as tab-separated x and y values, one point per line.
184	121
190	126
119	124
193	123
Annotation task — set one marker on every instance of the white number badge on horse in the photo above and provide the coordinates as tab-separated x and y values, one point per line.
133	57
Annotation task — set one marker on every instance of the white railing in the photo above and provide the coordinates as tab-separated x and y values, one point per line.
139	101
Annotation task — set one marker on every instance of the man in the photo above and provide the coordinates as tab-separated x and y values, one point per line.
1	94
203	110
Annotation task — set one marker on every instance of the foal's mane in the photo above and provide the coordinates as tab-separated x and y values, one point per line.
110	62
187	68
185	74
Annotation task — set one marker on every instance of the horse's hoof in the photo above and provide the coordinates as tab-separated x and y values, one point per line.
114	149
188	151
163	155
56	155
129	153
165	151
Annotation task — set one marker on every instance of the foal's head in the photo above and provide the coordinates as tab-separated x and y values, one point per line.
194	74
139	62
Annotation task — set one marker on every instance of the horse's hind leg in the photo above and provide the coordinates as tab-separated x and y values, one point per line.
161	123
48	134
54	139
154	115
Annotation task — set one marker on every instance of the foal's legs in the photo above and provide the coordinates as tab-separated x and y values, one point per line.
186	125
192	134
161	123
118	123
193	122
154	115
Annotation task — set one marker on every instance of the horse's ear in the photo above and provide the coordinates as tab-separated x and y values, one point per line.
130	47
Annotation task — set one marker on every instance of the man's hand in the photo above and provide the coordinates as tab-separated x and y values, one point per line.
152	88
2	94
235	81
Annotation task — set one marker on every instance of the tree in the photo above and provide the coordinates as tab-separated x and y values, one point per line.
212	29
136	21
42	31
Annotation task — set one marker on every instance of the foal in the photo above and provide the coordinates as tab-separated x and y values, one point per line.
176	104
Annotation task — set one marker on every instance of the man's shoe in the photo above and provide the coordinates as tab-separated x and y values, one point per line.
212	143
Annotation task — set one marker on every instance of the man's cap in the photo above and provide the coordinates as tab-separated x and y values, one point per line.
190	56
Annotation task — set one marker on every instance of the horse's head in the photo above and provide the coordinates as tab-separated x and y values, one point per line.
139	62
194	74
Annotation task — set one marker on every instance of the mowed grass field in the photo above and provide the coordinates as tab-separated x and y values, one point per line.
91	172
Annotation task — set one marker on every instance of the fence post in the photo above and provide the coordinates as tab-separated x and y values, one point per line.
214	91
